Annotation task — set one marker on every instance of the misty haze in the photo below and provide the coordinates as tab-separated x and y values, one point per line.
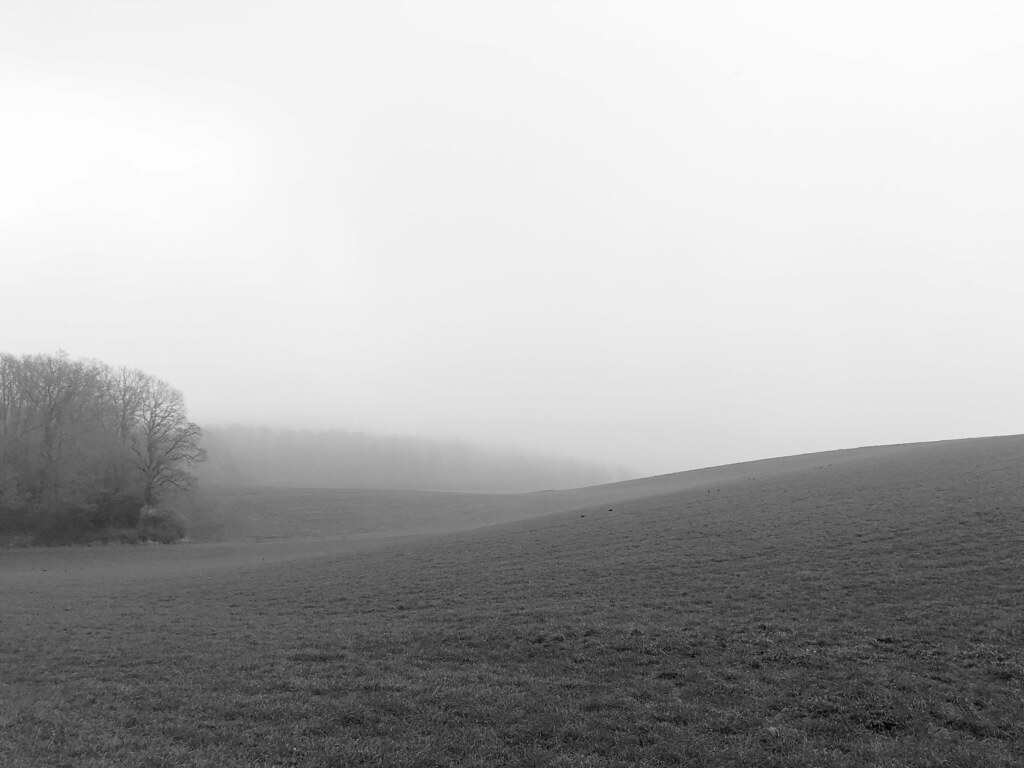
474	384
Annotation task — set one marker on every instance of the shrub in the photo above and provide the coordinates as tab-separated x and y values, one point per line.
163	526
115	511
100	518
57	523
15	519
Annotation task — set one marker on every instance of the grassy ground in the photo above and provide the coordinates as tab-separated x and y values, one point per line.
841	610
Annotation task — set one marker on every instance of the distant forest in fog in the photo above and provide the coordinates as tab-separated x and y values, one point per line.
239	455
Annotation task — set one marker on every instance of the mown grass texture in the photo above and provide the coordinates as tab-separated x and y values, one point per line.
865	613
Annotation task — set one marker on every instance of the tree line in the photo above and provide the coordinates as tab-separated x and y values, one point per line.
243	455
85	446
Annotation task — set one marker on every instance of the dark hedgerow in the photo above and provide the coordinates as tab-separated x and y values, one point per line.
111	510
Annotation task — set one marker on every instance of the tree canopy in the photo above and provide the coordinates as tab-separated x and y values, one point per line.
84	445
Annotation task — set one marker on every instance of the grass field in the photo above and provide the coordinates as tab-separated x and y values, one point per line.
844	609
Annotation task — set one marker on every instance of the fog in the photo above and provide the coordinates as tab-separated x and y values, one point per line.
247	456
649	234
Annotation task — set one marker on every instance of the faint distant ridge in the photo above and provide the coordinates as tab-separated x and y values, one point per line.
245	455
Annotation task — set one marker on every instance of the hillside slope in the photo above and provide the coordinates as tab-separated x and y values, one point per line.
266	514
860	608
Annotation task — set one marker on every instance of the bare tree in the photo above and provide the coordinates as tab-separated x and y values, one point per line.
126	392
58	429
165	443
12	418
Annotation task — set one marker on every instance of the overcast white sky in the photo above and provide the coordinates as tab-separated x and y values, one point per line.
664	234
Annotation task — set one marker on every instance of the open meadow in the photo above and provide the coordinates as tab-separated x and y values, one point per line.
851	608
